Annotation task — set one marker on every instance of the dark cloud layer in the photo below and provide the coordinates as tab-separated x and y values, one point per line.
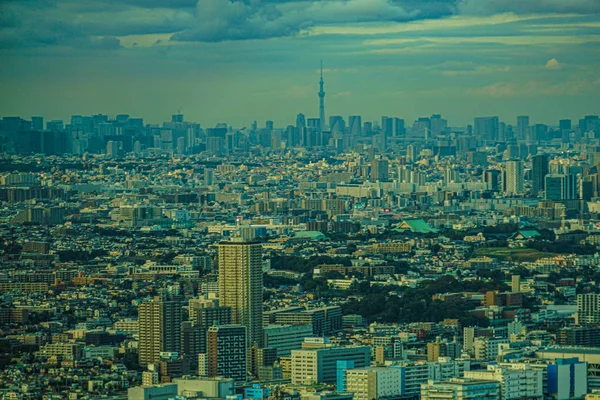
32	23
219	20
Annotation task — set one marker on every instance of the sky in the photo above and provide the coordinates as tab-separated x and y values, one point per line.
237	61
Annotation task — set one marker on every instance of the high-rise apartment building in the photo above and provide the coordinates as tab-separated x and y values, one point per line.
241	285
588	308
514	176
411	153
160	327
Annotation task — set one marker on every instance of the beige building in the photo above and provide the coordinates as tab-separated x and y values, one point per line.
526	383
159	328
319	365
588	308
373	382
460	389
241	285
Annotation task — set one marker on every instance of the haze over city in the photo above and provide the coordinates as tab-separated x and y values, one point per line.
240	61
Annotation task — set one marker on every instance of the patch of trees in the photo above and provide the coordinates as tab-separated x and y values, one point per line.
417	305
80	255
276	281
304	265
562	247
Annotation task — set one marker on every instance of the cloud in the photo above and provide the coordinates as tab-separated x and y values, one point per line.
553	64
219	20
533	88
104	42
35	23
343	94
490	7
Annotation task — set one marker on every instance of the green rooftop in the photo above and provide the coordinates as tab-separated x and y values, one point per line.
310	235
416	226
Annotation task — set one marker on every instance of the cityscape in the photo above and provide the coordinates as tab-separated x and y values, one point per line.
323	256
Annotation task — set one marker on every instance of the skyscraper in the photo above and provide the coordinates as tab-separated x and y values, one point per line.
564	126
337	124
438	125
513	178
160	327
355	125
487	127
241	285
322	99
379	170
522	127
539	172
37	123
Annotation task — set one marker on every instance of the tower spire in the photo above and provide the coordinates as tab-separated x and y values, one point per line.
322	99
321	70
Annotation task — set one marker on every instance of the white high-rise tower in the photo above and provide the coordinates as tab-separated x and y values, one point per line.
322	99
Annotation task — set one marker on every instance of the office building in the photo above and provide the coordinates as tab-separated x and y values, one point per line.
561	187
567	379
241	285
205	387
37	124
486	128
227	352
160	327
438	125
355	125
337	124
285	338
159	392
319	365
325	321
564	126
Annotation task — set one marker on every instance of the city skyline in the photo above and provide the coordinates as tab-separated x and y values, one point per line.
245	60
